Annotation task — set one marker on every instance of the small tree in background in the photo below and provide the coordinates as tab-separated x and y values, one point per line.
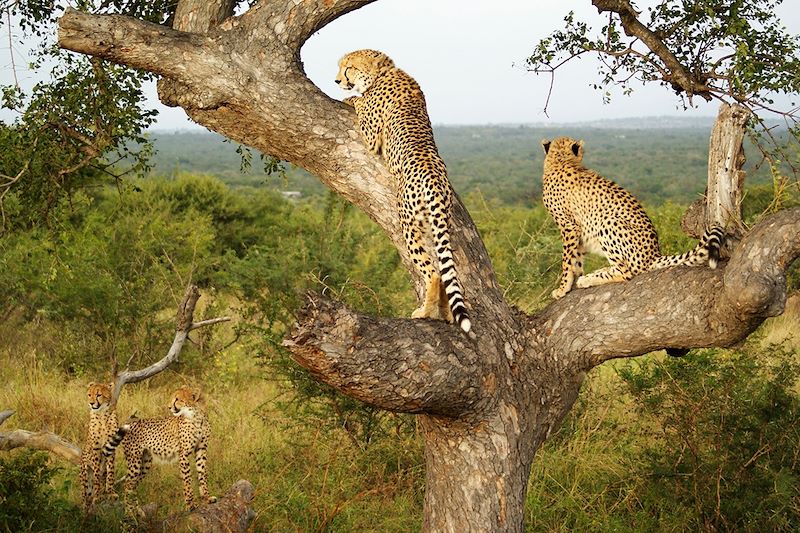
735	52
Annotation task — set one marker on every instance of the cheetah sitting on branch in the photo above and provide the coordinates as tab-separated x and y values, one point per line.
596	215
394	122
177	437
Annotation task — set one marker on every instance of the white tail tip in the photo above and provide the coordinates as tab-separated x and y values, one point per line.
466	325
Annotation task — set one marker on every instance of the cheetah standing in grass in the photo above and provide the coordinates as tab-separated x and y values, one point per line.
394	122
97	470
179	437
597	215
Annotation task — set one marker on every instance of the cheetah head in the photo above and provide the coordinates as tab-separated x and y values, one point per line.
358	70
563	148
186	402
99	395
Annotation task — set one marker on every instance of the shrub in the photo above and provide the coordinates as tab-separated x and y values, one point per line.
27	501
725	430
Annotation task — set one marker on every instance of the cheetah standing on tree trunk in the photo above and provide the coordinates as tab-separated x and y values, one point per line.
394	122
597	215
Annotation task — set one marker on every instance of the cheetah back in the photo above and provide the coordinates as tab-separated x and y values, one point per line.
394	121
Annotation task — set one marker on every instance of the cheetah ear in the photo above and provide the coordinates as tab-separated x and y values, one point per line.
577	148
382	61
545	146
91	384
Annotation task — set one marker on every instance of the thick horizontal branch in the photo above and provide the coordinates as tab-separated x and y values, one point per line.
679	307
404	365
152	47
40	440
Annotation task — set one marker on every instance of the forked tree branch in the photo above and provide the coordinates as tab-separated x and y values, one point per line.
184	324
678	75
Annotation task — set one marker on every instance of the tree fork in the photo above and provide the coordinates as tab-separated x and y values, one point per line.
487	402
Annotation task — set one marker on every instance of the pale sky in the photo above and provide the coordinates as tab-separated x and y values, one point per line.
469	59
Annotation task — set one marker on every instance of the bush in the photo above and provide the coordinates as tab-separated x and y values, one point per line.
27	501
725	430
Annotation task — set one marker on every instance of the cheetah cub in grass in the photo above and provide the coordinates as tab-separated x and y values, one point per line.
597	215
97	470
178	437
394	122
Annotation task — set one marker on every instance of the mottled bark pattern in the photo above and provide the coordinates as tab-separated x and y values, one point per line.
486	401
725	174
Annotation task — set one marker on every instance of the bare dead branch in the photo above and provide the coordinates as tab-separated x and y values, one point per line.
184	325
209	322
40	440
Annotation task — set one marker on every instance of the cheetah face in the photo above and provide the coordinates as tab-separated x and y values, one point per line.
563	148
185	403
358	70
99	396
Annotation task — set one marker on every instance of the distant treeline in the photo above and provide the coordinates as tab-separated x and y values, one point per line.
657	159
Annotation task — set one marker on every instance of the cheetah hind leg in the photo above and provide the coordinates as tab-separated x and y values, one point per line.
445	313
611	274
432	305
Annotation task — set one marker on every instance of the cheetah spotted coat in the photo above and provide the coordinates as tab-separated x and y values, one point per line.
596	215
394	122
178	437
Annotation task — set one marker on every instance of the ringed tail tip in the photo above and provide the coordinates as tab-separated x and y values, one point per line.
465	325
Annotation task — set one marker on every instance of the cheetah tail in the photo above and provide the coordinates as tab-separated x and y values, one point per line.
714	239
447	270
111	445
707	251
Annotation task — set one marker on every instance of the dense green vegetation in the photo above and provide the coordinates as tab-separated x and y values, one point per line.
645	447
657	159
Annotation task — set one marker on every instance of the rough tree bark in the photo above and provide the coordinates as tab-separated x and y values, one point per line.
485	403
722	202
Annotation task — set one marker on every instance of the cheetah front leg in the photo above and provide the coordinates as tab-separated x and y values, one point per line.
202	481
109	466
571	260
186	475
610	274
369	124
86	477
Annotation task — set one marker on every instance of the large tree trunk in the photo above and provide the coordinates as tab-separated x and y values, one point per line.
487	401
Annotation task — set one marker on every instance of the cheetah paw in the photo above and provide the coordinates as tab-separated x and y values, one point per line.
426	311
558	293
